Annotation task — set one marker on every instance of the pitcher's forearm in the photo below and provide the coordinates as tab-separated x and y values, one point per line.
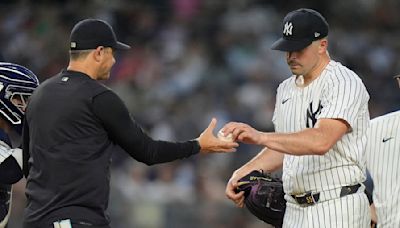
267	160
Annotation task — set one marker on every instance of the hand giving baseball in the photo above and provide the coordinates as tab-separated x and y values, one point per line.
226	138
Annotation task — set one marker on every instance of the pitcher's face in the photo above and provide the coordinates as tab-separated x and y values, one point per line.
304	61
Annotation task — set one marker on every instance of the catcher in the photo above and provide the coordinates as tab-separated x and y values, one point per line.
17	83
264	197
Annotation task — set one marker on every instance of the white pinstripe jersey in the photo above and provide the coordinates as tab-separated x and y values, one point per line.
383	159
338	93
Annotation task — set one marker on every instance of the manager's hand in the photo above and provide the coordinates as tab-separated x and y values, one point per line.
211	144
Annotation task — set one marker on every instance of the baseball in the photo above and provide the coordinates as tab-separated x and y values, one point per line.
227	138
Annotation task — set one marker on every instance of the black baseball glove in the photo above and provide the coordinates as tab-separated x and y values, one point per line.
264	197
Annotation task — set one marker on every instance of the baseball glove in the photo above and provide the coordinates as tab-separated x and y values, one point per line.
264	197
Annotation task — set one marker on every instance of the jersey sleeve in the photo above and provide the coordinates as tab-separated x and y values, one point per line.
125	131
5	151
344	98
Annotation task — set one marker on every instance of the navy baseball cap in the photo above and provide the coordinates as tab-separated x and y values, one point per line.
91	33
300	28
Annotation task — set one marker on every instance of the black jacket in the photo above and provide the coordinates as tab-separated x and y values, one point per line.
73	123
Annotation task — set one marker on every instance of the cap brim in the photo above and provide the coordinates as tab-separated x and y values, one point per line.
290	45
122	46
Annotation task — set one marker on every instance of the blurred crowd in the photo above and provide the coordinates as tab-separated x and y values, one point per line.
193	60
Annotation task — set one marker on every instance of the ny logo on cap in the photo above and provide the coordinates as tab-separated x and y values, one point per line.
287	30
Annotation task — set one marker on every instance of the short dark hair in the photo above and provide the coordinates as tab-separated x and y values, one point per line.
78	54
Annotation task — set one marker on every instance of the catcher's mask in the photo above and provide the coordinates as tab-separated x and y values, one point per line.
17	84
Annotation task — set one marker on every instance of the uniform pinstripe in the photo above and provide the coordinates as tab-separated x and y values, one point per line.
349	211
337	93
383	159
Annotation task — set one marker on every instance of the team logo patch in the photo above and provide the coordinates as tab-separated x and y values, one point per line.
288	28
312	114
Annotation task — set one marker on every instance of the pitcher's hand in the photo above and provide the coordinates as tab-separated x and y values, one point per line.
211	144
237	198
242	132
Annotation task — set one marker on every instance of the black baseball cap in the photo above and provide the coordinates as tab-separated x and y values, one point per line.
300	28
91	33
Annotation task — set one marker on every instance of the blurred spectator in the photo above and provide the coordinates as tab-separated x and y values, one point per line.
193	59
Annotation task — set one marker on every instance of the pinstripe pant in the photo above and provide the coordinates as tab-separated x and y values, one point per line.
351	211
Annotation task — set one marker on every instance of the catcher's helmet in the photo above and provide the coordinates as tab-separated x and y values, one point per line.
17	84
